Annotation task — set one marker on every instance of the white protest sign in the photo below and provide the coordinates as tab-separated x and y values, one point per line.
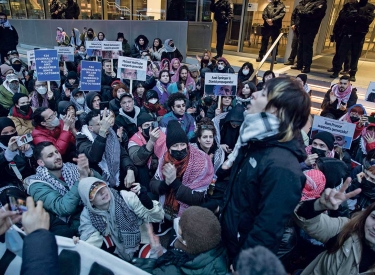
65	53
370	91
131	68
94	45
31	60
342	131
111	49
220	84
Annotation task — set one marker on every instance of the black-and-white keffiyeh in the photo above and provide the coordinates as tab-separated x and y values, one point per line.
126	221
80	107
69	173
110	163
255	127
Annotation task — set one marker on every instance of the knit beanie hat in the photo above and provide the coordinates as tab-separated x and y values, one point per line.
193	68
71	75
17	96
175	134
6	122
120	35
200	229
315	183
143	118
327	138
5	68
151	94
303	78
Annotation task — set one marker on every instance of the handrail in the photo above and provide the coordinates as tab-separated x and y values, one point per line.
271	49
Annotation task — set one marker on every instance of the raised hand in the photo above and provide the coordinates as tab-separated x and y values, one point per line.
83	165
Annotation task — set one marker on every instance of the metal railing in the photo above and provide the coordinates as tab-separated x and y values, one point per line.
271	49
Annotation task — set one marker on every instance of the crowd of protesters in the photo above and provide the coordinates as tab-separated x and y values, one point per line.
213	184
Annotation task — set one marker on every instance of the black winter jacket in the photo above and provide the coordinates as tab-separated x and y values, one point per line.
8	39
311	15
294	20
171	55
94	152
275	11
222	10
264	188
71	10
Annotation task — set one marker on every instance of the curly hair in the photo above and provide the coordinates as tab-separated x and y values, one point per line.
205	124
119	86
175	97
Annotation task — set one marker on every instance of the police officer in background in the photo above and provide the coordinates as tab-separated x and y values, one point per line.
311	15
294	23
356	22
223	13
273	16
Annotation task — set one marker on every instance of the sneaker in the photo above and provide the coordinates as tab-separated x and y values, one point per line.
289	63
305	70
330	70
352	78
296	67
334	75
259	59
344	72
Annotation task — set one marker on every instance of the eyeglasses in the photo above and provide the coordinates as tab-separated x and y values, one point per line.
180	106
12	52
52	116
204	127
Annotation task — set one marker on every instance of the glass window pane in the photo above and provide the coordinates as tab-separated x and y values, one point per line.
149	10
90	9
4	7
118	10
18	9
204	11
181	10
35	9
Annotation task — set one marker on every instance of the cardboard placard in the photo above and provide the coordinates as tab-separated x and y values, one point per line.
91	76
131	68
220	84
47	65
65	53
343	131
111	49
94	48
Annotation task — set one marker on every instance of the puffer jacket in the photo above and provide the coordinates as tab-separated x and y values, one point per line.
6	96
311	15
212	262
275	11
262	192
346	260
223	11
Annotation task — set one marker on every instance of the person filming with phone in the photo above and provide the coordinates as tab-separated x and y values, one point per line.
98	141
339	98
14	155
322	146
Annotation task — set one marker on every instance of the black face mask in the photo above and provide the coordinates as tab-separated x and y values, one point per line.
4	139
25	108
148	63
179	155
368	188
17	67
354	119
90	35
146	132
321	153
172	45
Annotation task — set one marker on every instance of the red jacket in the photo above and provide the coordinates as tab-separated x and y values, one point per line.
57	136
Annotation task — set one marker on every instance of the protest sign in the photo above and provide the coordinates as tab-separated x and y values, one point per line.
47	65
91	76
220	84
342	131
370	94
65	53
131	68
94	48
31	60
111	49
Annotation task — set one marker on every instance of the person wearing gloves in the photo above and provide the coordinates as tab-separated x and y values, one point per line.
170	51
62	38
10	153
321	146
110	219
183	174
10	87
21	114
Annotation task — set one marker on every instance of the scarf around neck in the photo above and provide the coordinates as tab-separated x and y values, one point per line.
7	25
69	173
342	96
255	127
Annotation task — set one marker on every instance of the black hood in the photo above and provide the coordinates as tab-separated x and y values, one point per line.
236	114
90	97
63	107
334	170
144	38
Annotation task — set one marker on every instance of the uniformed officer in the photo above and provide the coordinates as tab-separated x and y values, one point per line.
223	13
273	16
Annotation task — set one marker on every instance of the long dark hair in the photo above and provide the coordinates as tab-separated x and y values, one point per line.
292	105
158	47
355	226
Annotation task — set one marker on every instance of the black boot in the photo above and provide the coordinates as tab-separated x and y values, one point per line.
330	70
305	70
352	77
296	67
259	59
334	75
289	62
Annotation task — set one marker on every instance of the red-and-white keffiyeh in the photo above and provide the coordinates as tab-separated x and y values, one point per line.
342	96
315	183
330	154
